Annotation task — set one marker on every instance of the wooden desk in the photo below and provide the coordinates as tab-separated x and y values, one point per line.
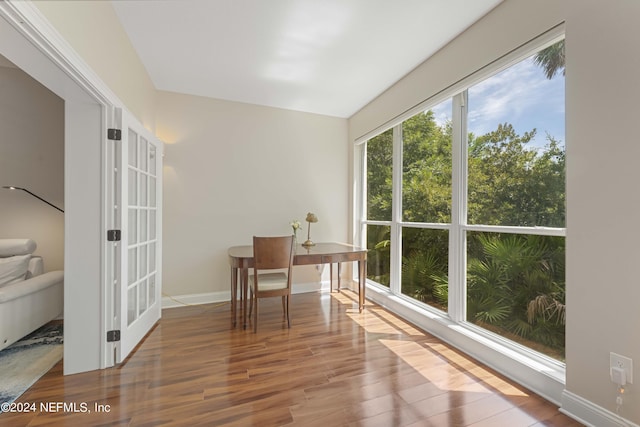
241	258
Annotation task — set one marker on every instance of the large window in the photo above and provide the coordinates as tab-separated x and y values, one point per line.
379	161
426	205
465	204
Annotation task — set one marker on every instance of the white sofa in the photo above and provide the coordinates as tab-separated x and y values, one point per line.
29	298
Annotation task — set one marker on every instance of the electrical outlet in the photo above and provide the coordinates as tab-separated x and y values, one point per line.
621	362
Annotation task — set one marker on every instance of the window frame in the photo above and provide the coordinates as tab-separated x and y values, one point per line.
455	317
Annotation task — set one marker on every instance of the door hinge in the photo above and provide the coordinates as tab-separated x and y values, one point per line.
114	134
113	235
113	336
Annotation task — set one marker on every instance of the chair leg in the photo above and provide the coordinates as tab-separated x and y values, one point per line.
250	301
287	310
255	318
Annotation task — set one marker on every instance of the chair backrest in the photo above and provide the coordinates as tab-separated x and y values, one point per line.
273	252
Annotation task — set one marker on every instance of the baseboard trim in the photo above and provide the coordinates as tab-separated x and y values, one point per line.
173	301
590	414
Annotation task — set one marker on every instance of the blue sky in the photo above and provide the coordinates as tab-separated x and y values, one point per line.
520	95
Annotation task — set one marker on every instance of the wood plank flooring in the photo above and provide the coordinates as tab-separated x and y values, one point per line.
334	367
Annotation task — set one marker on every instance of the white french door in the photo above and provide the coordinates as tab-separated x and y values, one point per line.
135	269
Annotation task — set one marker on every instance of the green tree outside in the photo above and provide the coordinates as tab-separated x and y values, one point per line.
515	282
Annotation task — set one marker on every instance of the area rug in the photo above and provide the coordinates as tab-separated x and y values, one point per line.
25	361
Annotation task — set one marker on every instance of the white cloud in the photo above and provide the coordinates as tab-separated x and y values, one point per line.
442	112
520	95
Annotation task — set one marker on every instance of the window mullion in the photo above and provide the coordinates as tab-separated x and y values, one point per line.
457	235
359	194
396	212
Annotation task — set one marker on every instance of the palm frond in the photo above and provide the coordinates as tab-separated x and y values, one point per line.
551	59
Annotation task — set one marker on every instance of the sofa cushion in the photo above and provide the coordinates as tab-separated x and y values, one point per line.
13	269
11	247
32	286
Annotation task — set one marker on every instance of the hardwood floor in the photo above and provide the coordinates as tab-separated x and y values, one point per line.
334	367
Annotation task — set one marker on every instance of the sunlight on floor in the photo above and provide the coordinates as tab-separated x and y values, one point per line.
435	368
375	319
444	367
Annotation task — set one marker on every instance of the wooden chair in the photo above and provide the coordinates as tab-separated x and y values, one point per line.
271	253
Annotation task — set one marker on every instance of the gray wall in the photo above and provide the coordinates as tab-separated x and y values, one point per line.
603	200
32	157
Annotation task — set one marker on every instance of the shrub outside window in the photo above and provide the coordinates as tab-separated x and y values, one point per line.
478	194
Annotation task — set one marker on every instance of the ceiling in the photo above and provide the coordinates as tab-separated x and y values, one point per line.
328	57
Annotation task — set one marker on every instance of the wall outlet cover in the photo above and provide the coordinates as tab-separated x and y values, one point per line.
621	362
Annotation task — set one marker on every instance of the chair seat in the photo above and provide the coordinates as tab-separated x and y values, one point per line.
270	281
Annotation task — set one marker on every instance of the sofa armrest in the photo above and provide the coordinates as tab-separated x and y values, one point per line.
36	267
30	286
10	247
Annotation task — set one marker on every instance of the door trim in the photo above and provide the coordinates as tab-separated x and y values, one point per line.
33	44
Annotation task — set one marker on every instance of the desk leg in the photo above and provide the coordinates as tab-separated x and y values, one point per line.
244	296
234	295
362	280
330	277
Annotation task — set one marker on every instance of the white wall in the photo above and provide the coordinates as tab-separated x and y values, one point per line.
603	201
232	170
94	31
32	157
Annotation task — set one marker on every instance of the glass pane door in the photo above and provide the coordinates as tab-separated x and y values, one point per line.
140	301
